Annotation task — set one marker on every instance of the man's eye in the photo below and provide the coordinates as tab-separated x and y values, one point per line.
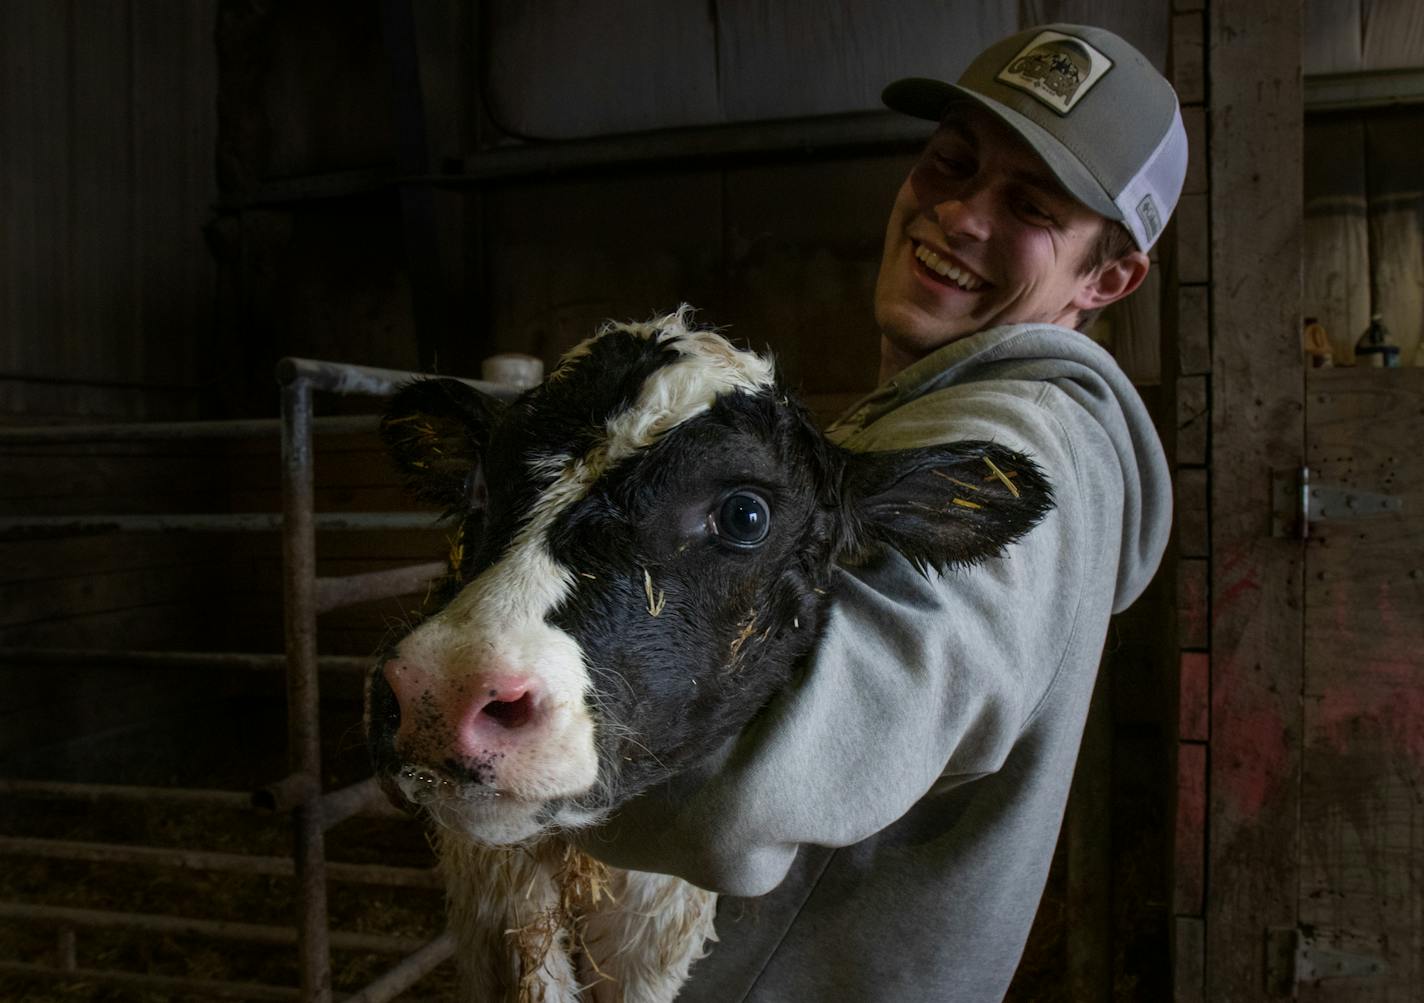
953	166
1035	212
743	519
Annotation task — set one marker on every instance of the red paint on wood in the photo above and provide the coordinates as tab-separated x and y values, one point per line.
1391	704
1249	778
1194	701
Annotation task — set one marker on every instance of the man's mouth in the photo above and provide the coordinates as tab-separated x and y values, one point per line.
961	277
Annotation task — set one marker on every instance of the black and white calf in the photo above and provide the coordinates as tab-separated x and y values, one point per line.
649	546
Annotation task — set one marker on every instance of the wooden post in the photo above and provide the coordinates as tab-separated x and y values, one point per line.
1257	396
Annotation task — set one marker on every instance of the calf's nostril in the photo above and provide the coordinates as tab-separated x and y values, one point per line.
513	713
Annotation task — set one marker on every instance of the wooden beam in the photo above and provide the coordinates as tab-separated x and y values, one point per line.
1256	127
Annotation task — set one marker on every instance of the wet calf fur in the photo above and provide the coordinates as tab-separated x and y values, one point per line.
647	549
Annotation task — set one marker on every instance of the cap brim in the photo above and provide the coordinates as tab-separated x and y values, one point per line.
925	98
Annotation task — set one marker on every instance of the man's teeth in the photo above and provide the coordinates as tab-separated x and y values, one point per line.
939	266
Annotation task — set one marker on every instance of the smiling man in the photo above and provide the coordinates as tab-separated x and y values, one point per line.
893	814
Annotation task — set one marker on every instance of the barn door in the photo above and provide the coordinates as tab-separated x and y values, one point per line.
1361	839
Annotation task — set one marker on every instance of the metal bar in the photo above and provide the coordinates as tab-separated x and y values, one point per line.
704	146
408	972
256	933
211	860
336	592
172	985
122	792
303	694
287	793
136	431
173	659
216	522
370	381
363	798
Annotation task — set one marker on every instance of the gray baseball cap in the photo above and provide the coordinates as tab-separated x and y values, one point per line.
1103	119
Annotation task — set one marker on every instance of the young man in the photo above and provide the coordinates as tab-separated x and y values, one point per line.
893	815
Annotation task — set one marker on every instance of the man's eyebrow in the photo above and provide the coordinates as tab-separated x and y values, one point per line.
1040	179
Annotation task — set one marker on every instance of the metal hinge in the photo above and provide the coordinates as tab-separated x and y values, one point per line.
1310	954
1296	503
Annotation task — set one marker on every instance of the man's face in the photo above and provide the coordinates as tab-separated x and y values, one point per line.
980	234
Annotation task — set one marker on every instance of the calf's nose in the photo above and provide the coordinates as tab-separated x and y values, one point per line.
466	717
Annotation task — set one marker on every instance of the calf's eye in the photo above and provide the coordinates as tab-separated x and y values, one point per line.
743	519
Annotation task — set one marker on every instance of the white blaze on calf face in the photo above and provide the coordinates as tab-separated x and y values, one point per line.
494	638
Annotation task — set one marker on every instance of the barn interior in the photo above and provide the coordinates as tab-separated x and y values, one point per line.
202	544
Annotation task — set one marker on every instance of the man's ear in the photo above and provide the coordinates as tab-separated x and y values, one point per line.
1112	280
944	505
437	430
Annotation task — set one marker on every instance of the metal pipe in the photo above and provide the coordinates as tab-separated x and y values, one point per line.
285	794
303	695
336	592
370	381
211	522
211	860
144	431
170	985
363	798
878	132
260	662
256	933
408	972
122	792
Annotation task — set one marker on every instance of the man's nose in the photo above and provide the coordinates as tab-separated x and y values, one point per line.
966	214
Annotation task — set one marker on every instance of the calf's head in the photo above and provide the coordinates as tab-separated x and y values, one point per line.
649	542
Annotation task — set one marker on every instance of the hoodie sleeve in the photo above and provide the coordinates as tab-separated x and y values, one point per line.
918	680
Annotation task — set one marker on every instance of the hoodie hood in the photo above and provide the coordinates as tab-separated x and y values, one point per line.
1090	377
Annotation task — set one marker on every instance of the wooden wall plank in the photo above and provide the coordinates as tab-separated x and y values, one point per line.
1256	126
1193	420
1362	820
1193	246
1194	702
1193	539
1189	851
1188	46
1189	961
1193	330
1193	590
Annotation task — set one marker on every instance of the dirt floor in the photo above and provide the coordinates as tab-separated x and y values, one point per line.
238	746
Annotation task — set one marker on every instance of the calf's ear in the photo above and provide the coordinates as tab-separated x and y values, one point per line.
944	505
437	430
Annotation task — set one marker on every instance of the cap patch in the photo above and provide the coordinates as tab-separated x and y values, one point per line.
1151	219
1057	69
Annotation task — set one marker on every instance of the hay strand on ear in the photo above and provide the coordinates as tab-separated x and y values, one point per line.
955	480
655	603
1004	478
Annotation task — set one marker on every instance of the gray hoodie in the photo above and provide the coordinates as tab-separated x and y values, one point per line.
887	823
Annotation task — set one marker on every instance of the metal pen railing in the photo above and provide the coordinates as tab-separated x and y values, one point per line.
313	811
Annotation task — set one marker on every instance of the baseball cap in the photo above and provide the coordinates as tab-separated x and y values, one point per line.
1103	119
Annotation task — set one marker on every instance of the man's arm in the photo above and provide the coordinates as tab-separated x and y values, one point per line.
918	680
